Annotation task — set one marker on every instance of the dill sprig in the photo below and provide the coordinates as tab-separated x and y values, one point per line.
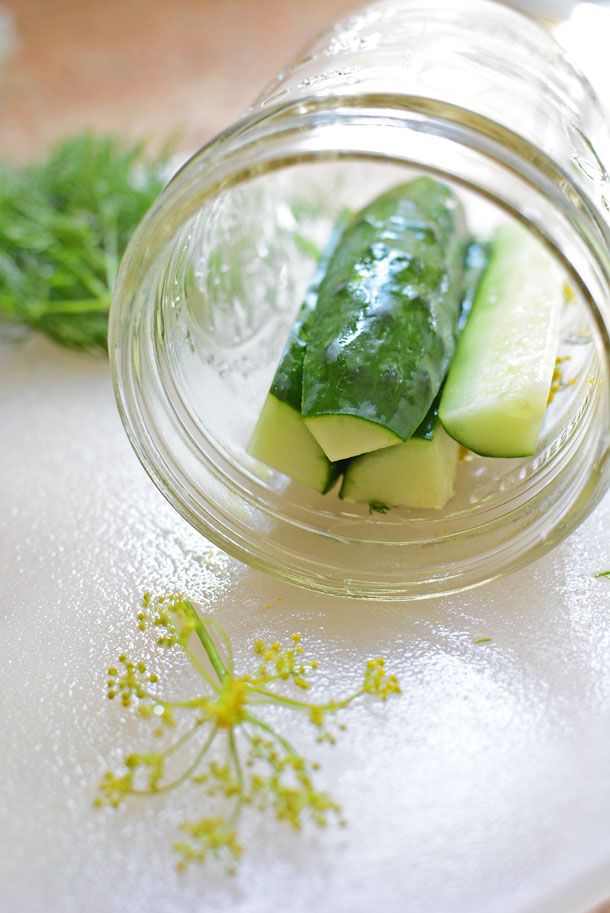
225	747
64	225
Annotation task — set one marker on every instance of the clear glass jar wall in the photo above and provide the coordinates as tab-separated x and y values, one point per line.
466	90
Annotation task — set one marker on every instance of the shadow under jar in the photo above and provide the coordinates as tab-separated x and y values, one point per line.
468	91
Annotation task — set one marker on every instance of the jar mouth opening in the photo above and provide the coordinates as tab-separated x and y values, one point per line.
198	459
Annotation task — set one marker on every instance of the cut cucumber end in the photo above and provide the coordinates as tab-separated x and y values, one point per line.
418	473
282	441
507	426
345	436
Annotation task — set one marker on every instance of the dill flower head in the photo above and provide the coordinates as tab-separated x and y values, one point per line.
260	768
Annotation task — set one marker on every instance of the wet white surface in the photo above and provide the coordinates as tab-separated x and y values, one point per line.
484	787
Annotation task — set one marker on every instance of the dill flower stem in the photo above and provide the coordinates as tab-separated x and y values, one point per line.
329	707
226	642
182	740
236	759
167	787
254	721
192	704
208	644
239	773
200	669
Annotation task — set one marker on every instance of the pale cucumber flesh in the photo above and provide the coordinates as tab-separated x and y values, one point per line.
499	380
343	436
281	440
419	473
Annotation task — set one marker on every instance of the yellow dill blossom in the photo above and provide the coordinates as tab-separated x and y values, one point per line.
260	768
558	381
377	681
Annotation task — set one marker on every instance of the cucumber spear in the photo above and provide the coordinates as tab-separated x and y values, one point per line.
498	384
386	320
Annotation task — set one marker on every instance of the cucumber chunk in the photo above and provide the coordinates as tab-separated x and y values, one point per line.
419	473
281	438
386	321
282	441
498	383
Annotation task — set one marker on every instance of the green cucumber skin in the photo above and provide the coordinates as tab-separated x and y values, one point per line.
475	261
427	426
287	384
388	309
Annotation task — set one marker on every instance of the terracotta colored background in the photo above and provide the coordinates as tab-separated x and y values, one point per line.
146	66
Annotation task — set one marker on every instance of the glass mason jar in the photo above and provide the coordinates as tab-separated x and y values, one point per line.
466	90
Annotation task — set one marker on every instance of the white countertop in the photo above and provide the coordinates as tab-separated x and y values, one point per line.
482	787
